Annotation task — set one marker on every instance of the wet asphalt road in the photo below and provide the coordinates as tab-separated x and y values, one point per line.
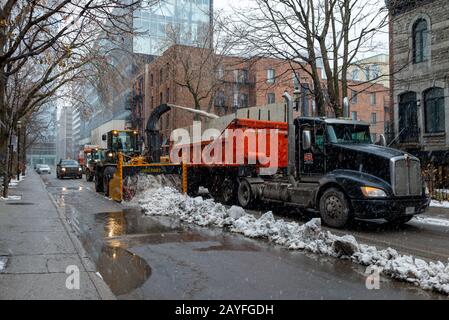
143	257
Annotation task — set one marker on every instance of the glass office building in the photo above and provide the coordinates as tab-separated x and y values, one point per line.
186	22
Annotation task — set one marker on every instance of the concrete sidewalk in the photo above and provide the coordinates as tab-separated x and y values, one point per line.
38	246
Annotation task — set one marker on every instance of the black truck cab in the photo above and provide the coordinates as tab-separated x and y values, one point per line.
348	175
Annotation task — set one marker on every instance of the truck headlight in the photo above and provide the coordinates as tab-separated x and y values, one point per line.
371	192
79	169
110	154
63	169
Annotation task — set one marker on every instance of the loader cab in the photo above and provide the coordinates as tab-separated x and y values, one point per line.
321	144
125	141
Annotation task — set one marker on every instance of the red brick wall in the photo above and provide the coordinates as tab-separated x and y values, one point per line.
256	88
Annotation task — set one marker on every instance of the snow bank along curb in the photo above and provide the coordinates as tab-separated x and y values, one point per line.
309	237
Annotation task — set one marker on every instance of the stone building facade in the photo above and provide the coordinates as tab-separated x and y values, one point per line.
419	39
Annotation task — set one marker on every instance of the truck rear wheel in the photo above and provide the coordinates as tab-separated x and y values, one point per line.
334	208
245	194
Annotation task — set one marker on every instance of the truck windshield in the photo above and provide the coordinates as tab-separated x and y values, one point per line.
124	141
346	133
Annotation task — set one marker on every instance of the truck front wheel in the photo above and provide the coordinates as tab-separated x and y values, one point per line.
245	194
334	208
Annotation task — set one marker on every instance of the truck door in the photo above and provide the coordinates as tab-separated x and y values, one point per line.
312	161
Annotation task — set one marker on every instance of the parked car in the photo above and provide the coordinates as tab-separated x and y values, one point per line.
43	168
36	166
69	168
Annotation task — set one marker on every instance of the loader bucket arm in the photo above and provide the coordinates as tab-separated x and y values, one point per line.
153	135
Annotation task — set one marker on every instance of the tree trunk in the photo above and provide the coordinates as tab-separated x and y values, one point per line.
6	172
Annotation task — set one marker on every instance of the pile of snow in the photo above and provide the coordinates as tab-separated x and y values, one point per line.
3	261
432	221
11	198
309	237
439	204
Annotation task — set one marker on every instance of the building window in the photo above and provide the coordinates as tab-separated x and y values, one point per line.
161	99
354	115
220	73
373	118
271	76
353	96
355	74
434	110
368	72
220	99
245	76
373	98
375	71
167	96
420	41
271	98
244	100
152	80
296	81
161	75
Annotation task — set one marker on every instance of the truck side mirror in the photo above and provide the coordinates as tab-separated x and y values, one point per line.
382	141
306	140
104	137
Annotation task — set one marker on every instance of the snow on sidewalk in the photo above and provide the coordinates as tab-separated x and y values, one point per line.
431	221
11	198
3	261
309	237
439	204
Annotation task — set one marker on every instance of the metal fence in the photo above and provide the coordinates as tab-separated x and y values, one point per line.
437	179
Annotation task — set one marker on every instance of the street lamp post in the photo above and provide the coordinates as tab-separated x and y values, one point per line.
19	126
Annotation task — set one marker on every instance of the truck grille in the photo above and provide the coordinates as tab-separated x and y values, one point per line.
406	176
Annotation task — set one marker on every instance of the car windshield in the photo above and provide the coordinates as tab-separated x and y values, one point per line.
348	133
69	163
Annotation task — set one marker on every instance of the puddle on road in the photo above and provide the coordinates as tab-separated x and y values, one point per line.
108	237
122	270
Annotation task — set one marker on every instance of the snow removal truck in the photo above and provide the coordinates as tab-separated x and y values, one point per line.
329	166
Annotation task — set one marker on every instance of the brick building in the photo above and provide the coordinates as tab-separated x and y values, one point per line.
419	48
235	83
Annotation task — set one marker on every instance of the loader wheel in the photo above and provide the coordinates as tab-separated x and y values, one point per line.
98	184
334	208
228	191
106	186
245	194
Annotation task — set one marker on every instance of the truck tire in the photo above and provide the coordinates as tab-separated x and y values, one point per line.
226	192
399	220
245	194
106	186
334	208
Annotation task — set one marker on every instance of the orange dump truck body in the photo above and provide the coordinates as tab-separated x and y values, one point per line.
243	142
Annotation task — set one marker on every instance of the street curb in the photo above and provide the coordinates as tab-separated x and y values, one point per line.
102	288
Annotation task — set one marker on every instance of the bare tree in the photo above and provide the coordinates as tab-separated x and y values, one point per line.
316	35
44	45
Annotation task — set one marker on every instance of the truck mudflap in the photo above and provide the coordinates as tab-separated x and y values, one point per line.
129	179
